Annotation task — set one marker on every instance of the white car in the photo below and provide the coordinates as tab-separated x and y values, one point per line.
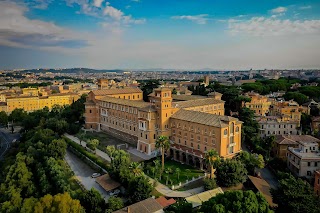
115	192
94	175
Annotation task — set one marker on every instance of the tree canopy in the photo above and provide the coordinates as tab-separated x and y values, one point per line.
231	172
236	202
295	195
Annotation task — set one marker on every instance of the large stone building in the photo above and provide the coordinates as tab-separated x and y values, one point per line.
304	160
274	125
193	125
259	104
32	103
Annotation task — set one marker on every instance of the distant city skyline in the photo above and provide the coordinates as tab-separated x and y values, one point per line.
145	34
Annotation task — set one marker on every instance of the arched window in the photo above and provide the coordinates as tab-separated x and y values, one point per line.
198	146
237	129
205	148
225	132
232	128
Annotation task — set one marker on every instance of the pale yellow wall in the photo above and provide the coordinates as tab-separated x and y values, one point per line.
36	103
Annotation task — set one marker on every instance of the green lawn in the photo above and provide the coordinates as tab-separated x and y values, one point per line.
173	176
104	139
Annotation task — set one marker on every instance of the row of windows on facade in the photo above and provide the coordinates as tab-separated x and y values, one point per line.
121	125
279	132
129	97
257	106
296	160
185	142
275	125
205	130
191	135
119	107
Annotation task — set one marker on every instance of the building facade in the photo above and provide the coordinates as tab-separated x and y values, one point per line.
193	126
259	103
274	125
304	160
32	103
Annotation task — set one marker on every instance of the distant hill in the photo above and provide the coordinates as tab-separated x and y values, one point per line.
69	70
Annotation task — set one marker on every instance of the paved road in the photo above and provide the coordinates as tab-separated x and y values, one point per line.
6	138
83	173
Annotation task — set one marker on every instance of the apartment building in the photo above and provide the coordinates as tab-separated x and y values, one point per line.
32	103
288	110
193	126
259	103
275	125
304	160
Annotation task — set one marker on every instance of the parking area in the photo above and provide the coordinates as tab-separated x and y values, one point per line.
83	173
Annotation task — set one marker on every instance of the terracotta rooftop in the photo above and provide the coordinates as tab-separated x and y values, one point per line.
126	102
116	91
294	139
187	97
198	102
203	118
149	205
107	183
164	202
264	188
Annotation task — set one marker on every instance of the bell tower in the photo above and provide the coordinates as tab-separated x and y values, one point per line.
162	100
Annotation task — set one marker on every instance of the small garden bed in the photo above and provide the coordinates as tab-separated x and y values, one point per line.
173	174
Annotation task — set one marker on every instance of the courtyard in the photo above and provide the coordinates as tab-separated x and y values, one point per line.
174	172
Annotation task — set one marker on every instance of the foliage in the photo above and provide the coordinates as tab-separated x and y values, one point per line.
163	144
236	201
209	183
92	201
296	96
181	206
89	155
3	118
295	195
60	203
139	189
148	87
92	144
231	172
115	203
211	158
251	161
136	169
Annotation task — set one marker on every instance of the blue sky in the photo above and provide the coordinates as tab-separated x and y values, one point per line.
134	34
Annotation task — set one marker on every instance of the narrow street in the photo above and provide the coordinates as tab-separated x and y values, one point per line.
6	138
83	173
265	173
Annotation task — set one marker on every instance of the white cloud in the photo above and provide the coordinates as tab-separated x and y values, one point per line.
260	26
18	30
305	7
279	10
199	19
113	13
98	3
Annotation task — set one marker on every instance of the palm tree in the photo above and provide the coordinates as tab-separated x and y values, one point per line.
136	168
156	163
211	158
153	170
188	171
178	172
163	143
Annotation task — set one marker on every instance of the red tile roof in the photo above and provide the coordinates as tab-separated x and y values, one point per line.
164	202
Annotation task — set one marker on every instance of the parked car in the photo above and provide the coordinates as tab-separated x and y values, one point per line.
114	192
94	175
